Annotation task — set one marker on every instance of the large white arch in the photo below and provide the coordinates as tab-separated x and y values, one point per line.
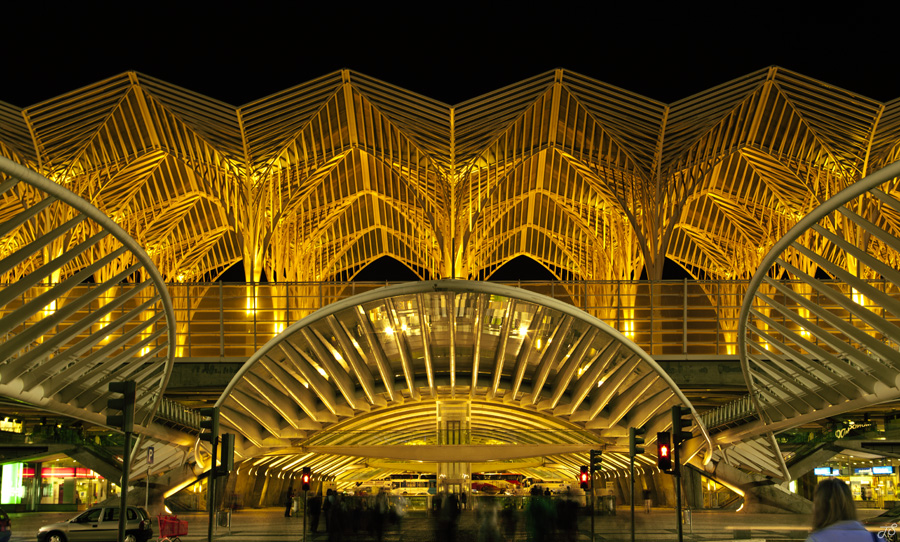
813	348
72	321
364	377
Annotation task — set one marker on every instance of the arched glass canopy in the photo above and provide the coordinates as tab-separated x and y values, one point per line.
360	386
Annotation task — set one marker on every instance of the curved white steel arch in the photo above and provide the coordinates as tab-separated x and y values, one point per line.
340	367
812	348
74	322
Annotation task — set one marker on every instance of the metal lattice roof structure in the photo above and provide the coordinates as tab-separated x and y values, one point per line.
593	181
810	348
63	336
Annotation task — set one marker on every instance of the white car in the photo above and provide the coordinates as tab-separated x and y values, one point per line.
99	524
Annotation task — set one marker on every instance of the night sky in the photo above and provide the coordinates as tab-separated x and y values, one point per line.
237	53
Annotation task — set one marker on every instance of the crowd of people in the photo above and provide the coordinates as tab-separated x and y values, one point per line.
497	518
546	518
345	517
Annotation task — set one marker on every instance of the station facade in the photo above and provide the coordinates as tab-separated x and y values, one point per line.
308	186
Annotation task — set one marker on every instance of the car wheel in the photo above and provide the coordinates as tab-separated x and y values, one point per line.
56	536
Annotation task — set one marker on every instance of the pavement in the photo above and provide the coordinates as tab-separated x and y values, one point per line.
270	524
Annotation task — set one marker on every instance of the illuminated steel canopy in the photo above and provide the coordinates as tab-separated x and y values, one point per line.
367	376
812	348
86	306
593	181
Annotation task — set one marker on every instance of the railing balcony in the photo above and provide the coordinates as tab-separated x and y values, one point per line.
669	319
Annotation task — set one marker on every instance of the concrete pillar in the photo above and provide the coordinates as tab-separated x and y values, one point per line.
692	488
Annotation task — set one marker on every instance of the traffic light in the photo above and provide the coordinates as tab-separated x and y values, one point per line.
210	421
596	461
664	451
679	424
584	478
304	479
227	452
635	437
124	404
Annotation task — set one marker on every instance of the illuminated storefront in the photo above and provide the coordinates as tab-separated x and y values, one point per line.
62	482
874	483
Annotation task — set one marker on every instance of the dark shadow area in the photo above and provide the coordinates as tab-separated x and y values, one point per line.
671	271
235	273
521	268
387	269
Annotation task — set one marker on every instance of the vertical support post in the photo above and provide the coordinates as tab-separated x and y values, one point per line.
305	510
221	322
684	317
679	435
651	284
718	297
632	496
676	464
126	472
210	505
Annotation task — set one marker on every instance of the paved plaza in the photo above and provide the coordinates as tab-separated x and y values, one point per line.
269	524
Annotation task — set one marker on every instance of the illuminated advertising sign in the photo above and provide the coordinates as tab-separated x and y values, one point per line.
874	471
827	471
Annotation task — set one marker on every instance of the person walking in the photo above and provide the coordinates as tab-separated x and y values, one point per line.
315	511
290	503
834	515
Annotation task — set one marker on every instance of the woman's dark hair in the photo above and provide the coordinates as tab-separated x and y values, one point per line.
832	503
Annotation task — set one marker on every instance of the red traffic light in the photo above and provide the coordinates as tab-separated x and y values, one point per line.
304	478
584	477
664	451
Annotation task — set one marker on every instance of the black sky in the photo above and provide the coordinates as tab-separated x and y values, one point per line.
237	53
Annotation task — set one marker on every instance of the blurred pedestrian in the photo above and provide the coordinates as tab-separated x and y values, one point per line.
567	516
327	505
541	516
509	518
380	514
290	503
315	511
834	515
448	518
486	514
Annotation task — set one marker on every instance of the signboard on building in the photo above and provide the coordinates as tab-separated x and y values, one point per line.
874	471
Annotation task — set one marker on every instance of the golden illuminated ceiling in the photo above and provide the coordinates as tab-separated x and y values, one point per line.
593	181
